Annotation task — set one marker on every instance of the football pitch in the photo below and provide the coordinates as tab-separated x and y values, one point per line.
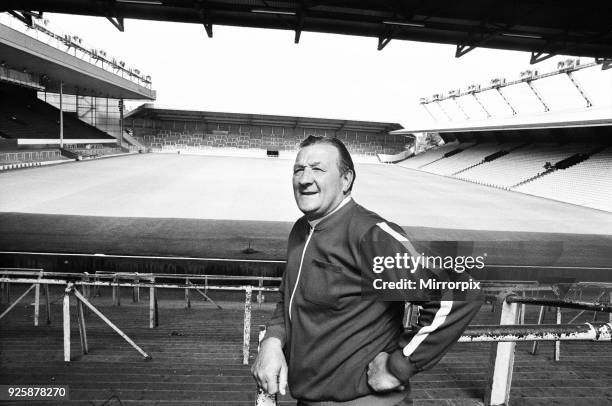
212	206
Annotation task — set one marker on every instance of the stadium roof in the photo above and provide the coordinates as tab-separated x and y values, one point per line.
579	126
147	111
19	51
545	27
571	119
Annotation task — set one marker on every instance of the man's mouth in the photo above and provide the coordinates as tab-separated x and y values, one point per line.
308	193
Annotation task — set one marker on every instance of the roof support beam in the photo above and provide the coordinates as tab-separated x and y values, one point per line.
209	29
383	42
580	89
429	112
491	31
467	117
540	56
506	100
606	63
443	110
25	16
300	24
298	33
537	94
117	22
204	13
463	49
387	36
481	105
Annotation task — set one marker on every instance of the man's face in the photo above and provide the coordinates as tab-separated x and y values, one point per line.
318	185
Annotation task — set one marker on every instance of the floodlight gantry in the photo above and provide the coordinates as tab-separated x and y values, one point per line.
567	67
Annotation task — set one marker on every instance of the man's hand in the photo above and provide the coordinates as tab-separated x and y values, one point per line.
270	367
379	377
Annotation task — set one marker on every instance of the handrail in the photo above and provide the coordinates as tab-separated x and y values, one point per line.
568	304
136	284
132	275
540	332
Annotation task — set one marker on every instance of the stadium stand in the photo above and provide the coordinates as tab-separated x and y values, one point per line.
466	158
241	134
358	144
23	115
522	164
588	183
573	172
431	155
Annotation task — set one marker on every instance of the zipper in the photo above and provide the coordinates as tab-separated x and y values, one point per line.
299	271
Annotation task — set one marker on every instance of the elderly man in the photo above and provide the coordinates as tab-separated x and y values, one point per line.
327	341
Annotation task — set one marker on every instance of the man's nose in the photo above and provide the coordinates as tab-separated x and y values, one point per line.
305	177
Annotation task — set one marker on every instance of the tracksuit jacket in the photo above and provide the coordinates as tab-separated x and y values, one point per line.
330	332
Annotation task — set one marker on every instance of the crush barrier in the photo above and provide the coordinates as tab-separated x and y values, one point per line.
38	278
504	337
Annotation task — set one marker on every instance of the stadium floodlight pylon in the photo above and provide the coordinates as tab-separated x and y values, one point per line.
537	94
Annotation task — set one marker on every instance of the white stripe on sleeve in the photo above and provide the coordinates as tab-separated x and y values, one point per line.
423	333
405	242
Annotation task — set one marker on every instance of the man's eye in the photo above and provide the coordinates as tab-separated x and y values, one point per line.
298	170
318	169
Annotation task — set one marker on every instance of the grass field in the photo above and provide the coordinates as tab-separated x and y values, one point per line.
204	206
226	188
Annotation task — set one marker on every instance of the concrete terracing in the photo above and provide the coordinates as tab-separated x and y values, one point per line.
197	358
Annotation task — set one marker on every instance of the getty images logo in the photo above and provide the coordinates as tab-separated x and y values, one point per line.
458	264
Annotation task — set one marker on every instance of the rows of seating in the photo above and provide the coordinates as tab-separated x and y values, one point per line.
468	157
431	155
23	115
588	183
528	168
522	164
166	140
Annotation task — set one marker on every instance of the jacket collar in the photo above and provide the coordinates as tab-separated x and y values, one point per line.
313	223
332	218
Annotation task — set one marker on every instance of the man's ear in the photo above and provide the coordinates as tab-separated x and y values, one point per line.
347	180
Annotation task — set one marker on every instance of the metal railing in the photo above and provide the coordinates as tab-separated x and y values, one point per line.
38	278
505	336
510	308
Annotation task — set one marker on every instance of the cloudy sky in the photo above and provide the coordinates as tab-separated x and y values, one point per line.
262	71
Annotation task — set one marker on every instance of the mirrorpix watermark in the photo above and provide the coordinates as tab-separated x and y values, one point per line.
410	276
